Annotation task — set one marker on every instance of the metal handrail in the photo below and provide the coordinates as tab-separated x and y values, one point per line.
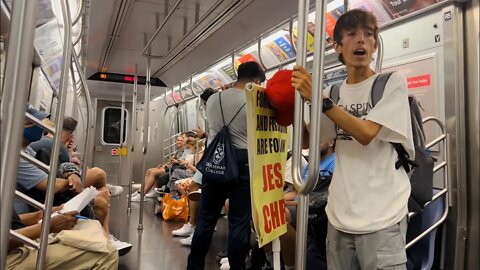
16	82
122	139
209	11
39	123
74	96
79	14
378	63
30	201
145	137
89	118
32	160
160	27
133	127
444	138
305	186
24	239
60	112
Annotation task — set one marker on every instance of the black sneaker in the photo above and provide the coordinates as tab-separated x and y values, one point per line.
162	190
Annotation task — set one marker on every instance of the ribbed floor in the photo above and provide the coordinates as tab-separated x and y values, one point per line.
154	248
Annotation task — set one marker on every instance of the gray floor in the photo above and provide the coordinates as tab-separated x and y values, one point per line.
154	247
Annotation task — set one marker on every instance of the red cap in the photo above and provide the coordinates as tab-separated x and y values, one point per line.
281	95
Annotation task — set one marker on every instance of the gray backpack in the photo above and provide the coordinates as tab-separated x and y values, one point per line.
420	170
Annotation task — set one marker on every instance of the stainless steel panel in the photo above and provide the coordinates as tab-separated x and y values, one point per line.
453	41
102	153
472	92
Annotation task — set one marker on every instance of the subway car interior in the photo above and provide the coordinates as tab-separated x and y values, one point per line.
124	82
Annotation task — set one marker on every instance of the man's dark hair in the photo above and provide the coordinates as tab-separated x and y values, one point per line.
351	20
207	93
251	72
69	124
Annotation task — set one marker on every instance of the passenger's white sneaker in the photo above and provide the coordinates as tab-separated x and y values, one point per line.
136	187
136	197
225	266
122	247
224	260
187	241
185	230
114	190
151	194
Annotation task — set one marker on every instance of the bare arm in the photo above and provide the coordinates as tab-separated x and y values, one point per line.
31	218
58	223
362	130
61	185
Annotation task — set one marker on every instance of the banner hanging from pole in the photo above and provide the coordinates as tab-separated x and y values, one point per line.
267	154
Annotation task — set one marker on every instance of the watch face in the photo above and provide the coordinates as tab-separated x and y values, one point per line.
327	104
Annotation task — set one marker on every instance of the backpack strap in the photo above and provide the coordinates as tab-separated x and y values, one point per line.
221	109
403	158
378	87
335	93
236	113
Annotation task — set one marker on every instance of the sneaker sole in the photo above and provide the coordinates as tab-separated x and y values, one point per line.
124	251
182	234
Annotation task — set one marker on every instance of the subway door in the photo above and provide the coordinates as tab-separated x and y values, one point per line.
107	152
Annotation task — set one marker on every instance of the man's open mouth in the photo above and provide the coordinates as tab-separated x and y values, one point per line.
360	52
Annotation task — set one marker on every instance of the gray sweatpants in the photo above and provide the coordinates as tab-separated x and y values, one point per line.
384	249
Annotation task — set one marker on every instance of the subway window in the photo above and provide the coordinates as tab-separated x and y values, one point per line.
111	125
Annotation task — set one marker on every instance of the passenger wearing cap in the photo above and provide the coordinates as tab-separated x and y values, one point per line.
58	255
46	142
33	181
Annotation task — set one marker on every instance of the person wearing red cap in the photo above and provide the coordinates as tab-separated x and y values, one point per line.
368	196
238	192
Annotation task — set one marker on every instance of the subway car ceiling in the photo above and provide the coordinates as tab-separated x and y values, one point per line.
119	30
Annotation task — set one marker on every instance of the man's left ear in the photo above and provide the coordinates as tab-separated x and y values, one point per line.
337	47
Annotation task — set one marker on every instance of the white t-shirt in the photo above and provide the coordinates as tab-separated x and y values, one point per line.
367	193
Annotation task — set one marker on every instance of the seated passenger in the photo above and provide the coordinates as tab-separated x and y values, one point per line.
58	256
33	182
66	146
317	222
190	158
161	171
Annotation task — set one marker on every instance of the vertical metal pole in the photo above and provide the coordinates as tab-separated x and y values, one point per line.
132	140
378	63
67	52
74	98
122	128
145	137
301	246
16	85
89	125
304	187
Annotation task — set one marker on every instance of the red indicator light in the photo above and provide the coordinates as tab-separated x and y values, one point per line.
128	78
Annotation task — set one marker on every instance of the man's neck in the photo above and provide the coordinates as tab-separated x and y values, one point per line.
239	85
357	75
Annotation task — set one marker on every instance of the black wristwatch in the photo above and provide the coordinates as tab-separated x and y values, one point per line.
327	104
